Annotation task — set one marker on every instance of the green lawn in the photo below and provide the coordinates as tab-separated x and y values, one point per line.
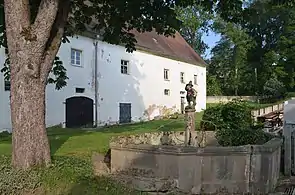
71	150
78	142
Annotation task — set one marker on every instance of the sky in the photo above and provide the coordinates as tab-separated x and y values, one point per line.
211	39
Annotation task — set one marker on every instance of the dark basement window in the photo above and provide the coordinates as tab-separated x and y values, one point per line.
80	90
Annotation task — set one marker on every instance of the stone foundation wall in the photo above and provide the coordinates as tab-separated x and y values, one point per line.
211	169
225	99
203	138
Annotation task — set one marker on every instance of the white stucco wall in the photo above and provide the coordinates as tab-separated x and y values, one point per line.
142	87
5	123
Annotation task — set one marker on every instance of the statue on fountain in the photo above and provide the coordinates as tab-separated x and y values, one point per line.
191	95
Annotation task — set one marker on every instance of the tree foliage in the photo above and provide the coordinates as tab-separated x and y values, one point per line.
262	42
213	86
274	88
229	56
196	21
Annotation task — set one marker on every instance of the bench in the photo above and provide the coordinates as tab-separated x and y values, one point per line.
272	120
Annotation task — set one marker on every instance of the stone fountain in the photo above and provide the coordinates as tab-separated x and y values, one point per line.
192	162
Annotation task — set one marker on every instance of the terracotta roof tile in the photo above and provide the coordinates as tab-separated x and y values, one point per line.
172	47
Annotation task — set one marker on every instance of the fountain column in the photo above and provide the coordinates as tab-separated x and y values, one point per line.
190	127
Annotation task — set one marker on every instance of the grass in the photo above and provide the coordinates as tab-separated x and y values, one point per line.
72	170
81	143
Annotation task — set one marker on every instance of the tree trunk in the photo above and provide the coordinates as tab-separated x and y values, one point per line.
30	142
32	47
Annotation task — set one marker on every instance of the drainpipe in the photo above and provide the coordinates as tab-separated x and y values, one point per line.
95	81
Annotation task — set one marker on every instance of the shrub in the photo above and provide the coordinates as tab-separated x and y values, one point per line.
233	124
212	118
242	136
236	114
5	136
233	114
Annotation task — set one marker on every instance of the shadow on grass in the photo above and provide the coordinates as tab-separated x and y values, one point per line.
177	124
82	142
155	125
58	136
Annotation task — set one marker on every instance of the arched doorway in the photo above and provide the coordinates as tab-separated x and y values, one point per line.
79	112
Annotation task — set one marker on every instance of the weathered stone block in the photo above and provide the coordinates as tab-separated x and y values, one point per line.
201	170
100	167
149	184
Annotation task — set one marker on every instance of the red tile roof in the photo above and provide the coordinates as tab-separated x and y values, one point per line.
171	47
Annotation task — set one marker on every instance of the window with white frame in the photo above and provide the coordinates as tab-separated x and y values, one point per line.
76	57
195	79
166	91
182	77
166	74
124	66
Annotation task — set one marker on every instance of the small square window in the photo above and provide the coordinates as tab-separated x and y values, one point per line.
182	77
195	79
6	85
166	74
124	67
80	90
166	92
76	56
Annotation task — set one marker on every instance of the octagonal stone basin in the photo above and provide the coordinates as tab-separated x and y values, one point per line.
160	161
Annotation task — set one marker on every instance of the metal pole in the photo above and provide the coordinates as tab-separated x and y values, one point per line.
95	82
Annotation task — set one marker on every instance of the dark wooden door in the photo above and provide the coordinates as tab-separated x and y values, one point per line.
125	113
79	112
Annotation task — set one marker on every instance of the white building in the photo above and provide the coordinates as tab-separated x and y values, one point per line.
131	86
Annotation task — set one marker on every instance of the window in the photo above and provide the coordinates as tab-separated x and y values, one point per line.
166	74
124	66
166	92
195	79
6	85
80	90
182	77
76	57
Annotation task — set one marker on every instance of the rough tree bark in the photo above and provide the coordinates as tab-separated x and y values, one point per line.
32	48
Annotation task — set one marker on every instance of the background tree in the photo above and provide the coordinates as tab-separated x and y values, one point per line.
229	60
258	45
213	86
268	23
34	30
196	21
274	89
